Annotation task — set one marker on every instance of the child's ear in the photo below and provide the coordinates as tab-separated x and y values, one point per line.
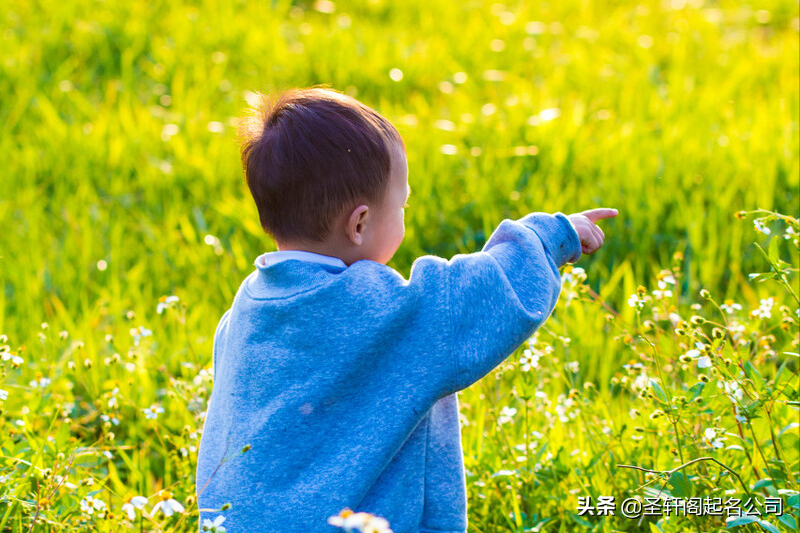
356	224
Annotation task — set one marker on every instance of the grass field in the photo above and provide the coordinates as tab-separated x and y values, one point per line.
121	185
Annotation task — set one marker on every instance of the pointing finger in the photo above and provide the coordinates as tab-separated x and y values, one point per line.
600	213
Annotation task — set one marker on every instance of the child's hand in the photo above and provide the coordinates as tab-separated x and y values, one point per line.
590	234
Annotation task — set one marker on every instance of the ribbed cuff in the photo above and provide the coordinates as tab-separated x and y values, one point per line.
557	235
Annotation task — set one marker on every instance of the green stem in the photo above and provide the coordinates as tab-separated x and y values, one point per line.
681	467
670	403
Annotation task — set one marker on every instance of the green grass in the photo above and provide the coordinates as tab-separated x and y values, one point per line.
677	113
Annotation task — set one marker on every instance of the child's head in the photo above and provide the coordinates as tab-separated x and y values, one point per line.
327	174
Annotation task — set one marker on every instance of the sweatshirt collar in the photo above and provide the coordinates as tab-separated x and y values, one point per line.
270	258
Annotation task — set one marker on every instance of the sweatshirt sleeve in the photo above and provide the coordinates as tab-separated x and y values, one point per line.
498	297
221	330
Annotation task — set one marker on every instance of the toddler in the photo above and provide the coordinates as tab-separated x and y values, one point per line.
339	374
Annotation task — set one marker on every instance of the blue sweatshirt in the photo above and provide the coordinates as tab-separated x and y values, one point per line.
343	381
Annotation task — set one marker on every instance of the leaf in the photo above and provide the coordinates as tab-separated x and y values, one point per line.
751	409
794	501
773	250
681	485
540	453
658	390
740	521
769	527
789	521
581	521
595	460
762	483
696	390
753	374
789	439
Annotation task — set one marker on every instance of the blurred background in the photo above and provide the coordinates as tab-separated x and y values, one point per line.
121	180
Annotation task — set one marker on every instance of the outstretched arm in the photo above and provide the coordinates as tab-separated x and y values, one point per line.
498	297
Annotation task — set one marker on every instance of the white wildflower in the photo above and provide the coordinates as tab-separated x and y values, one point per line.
642	381
765	309
15	359
139	333
214	526
659	293
153	411
167	504
710	436
704	362
529	360
730	307
732	389
89	505
165	302
41	383
113	419
635	301
129	507
363	522
759	224
694	354
506	415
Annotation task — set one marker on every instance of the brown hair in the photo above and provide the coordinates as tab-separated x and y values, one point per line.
308	154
